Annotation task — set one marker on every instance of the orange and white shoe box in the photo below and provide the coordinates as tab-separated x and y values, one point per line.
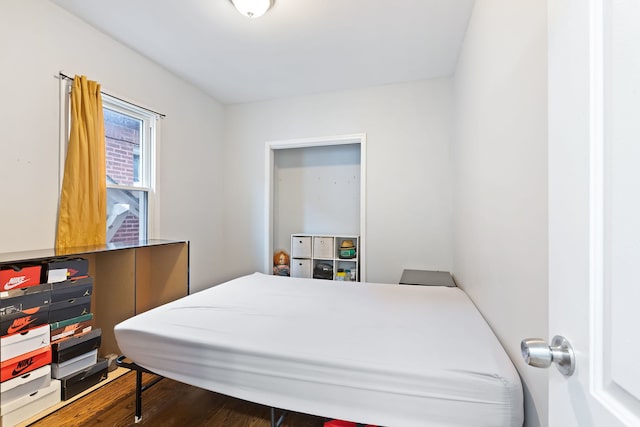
28	362
14	412
25	385
19	276
32	339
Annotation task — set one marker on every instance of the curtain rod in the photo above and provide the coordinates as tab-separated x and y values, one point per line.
64	76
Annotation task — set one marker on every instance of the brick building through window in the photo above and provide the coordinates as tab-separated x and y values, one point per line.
122	138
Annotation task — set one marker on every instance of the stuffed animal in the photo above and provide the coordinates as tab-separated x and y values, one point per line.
281	263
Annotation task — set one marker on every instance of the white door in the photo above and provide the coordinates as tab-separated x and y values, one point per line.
594	209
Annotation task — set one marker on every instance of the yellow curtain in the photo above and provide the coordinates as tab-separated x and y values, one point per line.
82	213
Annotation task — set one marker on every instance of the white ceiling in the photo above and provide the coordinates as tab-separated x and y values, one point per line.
299	47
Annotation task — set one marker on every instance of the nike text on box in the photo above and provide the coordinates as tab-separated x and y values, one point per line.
19	276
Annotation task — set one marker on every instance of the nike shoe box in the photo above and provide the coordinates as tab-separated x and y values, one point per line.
80	381
70	289
75	328
69	309
22	298
73	366
19	410
26	384
19	276
62	323
24	363
17	344
75	346
61	269
21	321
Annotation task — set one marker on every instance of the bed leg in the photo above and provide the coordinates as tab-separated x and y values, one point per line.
138	416
126	363
280	420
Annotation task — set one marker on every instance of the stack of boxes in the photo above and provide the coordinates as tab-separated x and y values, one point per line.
48	344
74	340
25	347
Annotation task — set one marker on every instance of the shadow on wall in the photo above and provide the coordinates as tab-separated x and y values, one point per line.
531	414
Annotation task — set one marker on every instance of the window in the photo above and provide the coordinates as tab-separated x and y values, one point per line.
130	141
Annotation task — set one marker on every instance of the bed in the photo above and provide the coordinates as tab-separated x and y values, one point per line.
384	354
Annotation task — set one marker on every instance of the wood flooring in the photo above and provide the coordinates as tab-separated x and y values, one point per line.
168	403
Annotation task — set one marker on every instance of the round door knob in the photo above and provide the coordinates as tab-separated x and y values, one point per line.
536	352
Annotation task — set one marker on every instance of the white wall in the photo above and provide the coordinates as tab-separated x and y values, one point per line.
38	39
500	190
316	191
408	129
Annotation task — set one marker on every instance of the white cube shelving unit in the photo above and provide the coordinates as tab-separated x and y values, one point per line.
308	250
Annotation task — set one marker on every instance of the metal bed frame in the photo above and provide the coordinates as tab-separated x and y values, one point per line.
122	361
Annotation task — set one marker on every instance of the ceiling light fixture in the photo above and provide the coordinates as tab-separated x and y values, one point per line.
252	8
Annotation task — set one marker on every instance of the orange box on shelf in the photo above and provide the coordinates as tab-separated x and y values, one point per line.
19	276
24	363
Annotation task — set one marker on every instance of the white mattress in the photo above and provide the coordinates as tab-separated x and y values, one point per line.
391	355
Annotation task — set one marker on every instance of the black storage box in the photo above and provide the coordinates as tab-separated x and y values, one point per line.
78	382
24	298
76	267
75	346
68	309
323	271
70	289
